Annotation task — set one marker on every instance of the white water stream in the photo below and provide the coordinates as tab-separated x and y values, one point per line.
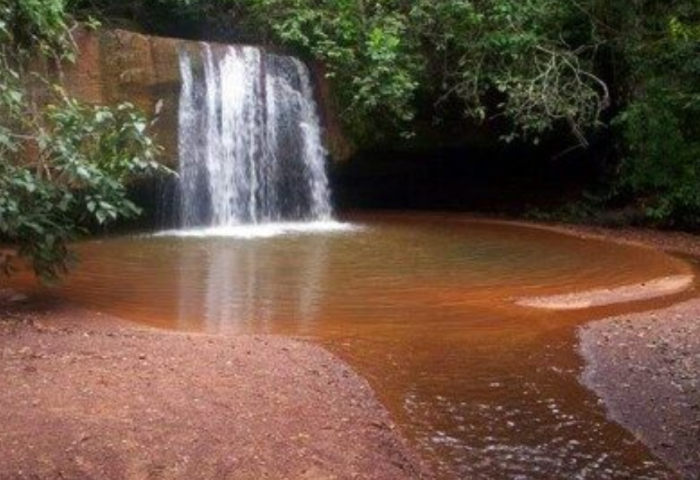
250	143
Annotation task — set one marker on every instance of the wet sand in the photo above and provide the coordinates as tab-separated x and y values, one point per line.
660	287
89	396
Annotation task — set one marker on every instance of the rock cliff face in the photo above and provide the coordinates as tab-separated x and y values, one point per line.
115	66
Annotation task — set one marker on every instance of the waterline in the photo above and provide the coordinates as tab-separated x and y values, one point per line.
264	230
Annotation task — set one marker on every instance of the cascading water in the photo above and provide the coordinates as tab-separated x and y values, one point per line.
249	140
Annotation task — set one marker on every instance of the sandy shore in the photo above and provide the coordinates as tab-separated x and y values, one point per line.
85	396
660	287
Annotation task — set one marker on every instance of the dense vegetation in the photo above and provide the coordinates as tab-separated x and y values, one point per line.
63	164
534	69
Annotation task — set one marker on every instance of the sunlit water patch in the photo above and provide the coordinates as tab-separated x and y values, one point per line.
424	307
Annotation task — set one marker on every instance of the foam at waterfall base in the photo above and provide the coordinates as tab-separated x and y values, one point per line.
263	230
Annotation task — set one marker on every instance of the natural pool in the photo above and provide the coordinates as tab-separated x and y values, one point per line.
421	305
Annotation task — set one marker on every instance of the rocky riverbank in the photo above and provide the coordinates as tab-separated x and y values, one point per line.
646	366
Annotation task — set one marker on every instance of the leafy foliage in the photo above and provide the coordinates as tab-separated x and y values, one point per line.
659	128
385	54
368	48
63	164
537	55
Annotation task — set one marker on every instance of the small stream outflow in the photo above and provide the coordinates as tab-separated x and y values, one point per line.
250	146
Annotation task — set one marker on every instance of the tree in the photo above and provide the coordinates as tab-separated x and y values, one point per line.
64	165
660	42
531	62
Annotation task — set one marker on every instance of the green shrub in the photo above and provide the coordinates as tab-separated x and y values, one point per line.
63	164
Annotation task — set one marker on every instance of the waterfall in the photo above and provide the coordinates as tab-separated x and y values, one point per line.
250	143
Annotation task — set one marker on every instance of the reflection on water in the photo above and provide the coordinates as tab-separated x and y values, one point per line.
423	307
222	289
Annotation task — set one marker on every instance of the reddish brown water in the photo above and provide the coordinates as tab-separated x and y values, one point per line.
423	307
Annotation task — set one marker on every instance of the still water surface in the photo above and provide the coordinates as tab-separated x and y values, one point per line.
423	307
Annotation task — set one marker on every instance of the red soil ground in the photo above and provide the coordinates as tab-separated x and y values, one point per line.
88	397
